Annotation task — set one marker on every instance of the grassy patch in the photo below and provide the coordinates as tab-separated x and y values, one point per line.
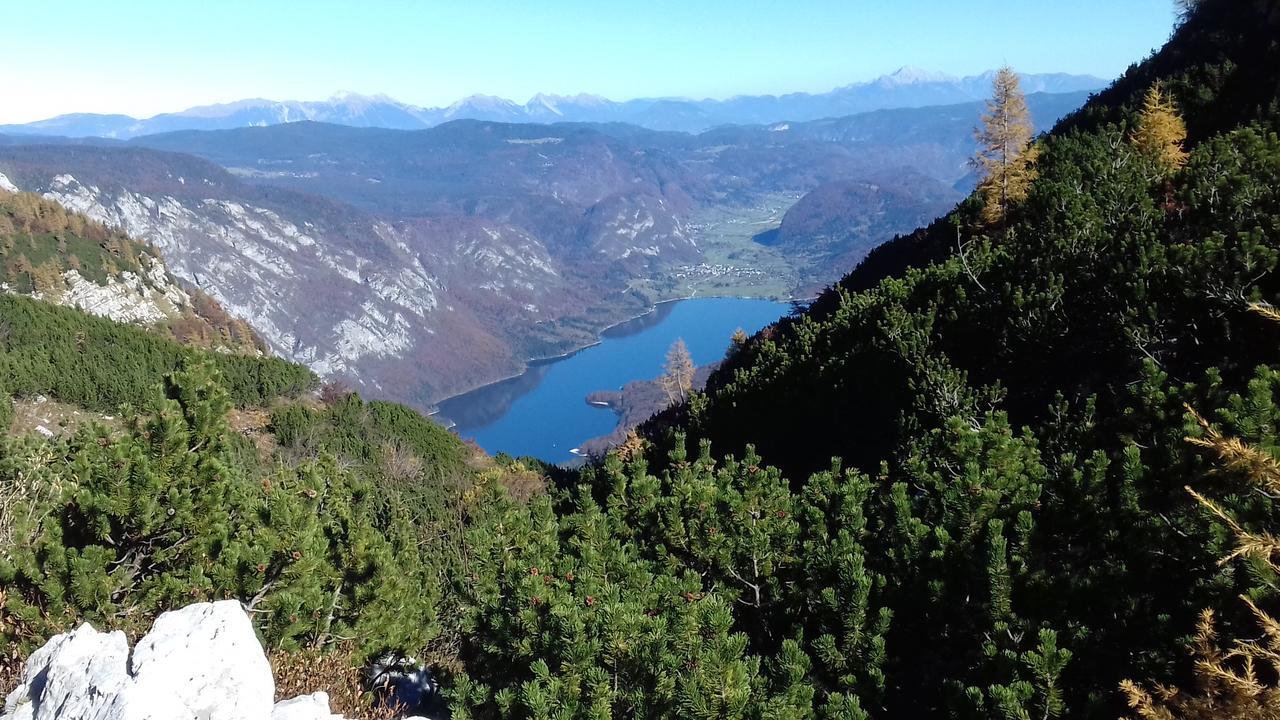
55	417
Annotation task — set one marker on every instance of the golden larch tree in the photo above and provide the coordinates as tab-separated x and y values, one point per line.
1160	131
1006	158
677	377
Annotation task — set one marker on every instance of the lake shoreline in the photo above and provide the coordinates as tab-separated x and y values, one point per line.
531	363
547	359
545	411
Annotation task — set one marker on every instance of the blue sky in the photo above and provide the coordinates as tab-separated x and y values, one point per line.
143	57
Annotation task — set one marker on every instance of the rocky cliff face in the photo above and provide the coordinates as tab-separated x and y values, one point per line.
397	306
249	258
141	298
202	662
146	294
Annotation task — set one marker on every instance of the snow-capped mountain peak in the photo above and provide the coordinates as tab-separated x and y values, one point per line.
482	103
542	104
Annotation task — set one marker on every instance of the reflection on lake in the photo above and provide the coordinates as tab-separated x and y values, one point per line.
543	412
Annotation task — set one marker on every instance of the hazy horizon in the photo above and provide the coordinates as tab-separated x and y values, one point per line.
152	58
339	95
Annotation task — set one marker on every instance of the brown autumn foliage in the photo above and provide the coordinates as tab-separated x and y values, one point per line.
30	213
10	669
1228	684
334	671
401	463
334	392
631	448
1006	158
225	329
677	377
522	482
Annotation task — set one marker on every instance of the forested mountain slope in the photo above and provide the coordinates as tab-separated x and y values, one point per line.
1101	237
1006	534
1009	403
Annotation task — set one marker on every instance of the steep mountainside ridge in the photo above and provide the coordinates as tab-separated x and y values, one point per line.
1010	407
321	282
1214	60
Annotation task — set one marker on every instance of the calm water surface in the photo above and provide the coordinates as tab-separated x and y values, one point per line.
544	413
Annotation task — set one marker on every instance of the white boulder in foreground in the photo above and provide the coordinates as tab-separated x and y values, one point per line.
202	662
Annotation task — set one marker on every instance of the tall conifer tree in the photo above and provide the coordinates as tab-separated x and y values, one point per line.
1005	159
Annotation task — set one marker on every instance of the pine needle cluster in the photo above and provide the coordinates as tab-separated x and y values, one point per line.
1244	680
1228	684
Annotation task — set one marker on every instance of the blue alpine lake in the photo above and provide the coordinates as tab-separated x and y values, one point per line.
544	413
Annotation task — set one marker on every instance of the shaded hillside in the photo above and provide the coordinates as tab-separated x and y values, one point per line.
1222	79
1088	280
1214	65
840	222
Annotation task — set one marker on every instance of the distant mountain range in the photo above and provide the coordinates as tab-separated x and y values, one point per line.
907	88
